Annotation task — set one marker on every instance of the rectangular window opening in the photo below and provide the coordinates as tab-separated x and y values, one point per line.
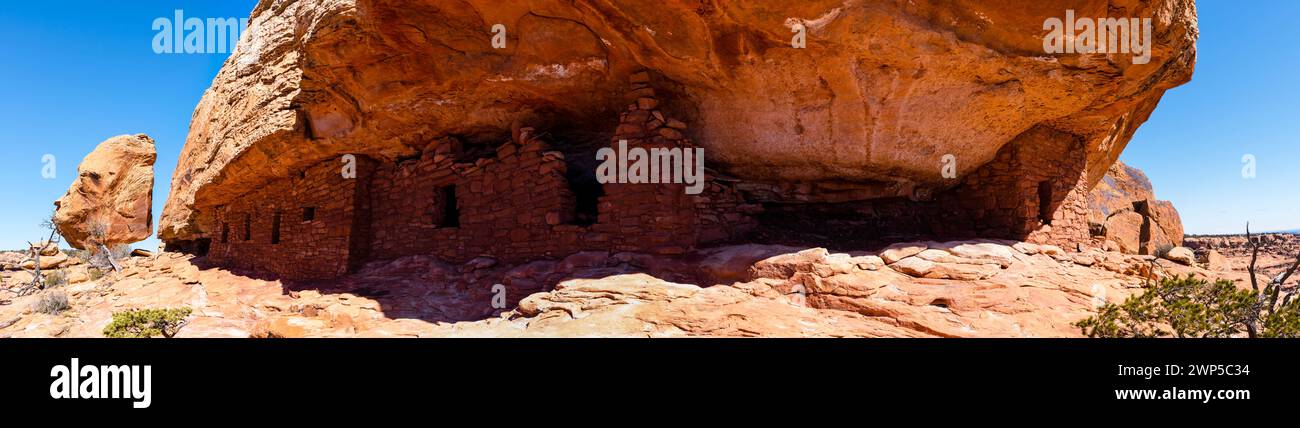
275	228
1045	202
450	208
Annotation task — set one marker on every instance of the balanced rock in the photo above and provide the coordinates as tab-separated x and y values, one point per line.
111	201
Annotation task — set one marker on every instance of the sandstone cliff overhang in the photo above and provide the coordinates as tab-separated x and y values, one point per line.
883	92
111	201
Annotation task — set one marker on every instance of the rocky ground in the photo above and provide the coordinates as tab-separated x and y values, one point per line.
956	289
1277	251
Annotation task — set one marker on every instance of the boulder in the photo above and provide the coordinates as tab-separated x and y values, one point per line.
726	265
1215	261
111	201
897	252
1123	206
1125	230
46	248
1181	255
10	260
47	262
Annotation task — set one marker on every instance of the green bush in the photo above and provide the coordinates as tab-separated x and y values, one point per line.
94	274
1190	307
142	323
52	302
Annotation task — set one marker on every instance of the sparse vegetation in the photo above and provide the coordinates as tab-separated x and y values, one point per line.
34	252
94	274
1192	307
56	278
144	323
52	302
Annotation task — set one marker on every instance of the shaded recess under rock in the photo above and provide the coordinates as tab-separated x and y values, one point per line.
463	150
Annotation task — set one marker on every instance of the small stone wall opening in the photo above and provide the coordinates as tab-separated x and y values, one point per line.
309	214
450	208
586	193
275	228
1045	202
248	227
225	233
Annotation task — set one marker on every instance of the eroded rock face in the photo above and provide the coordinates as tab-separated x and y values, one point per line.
882	93
111	202
1123	209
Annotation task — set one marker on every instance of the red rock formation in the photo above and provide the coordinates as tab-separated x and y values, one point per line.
1123	209
111	202
865	114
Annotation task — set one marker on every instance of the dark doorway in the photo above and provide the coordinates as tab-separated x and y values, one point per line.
450	209
275	228
586	193
1045	202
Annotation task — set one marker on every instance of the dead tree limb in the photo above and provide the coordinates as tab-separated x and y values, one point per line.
111	260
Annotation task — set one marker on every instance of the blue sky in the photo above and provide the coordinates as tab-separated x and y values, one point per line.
77	73
1243	99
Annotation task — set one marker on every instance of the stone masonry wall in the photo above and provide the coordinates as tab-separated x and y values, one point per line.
1034	190
513	203
316	212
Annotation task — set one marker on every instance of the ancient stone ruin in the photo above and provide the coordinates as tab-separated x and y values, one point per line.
343	132
516	202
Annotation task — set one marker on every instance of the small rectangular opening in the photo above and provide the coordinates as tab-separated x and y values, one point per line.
275	228
587	192
309	214
248	227
225	233
450	208
1045	202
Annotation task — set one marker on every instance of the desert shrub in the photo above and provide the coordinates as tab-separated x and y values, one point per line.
52	302
119	251
143	323
1191	307
94	274
56	278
